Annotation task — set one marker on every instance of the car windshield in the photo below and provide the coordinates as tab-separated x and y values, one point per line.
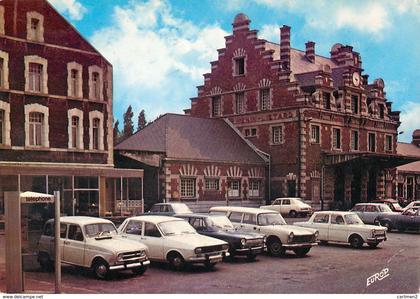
176	227
220	222
270	219
181	208
385	208
99	229
396	205
353	219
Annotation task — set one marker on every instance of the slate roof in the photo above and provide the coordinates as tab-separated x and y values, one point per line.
185	137
409	149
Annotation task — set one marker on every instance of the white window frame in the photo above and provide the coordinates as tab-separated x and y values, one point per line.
100	116
281	136
254	192
185	189
212	184
234	192
368	144
266	100
79	80
6	129
79	114
4	80
385	143
39	35
313	140
352	141
44	78
333	145
2	20
96	69
46	130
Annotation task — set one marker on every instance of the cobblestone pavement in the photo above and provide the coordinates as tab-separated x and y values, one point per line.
326	269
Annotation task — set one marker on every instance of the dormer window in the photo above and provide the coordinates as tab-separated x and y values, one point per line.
381	111
35	26
326	97
239	66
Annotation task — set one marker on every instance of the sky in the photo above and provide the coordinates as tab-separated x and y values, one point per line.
160	49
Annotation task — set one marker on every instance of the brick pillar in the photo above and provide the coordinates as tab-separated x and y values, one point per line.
363	185
310	51
285	47
380	184
347	185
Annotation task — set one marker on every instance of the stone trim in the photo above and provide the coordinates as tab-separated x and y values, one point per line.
75	66
6	107
41	109
92	116
2	19
96	69
5	75
79	114
44	63
40	35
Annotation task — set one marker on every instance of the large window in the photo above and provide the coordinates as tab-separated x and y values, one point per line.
212	184
239	66
388	143
355	104
372	142
216	106
96	85
74	82
315	134
35	77
354	142
36	123
2	126
326	97
254	188
277	135
234	187
187	187
75	123
95	133
336	142
264	99
239	102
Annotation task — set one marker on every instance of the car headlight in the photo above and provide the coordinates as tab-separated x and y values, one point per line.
225	246
290	239
120	257
265	239
243	242
316	234
198	250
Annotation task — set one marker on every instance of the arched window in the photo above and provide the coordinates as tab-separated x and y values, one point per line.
95	133
36	123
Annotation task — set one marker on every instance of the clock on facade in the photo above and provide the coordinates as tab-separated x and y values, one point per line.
356	79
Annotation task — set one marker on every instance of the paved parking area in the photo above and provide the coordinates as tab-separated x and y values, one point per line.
326	269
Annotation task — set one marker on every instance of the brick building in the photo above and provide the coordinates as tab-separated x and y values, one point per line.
202	162
329	131
56	114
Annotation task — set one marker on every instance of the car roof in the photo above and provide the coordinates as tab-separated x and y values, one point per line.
198	215
170	203
82	220
154	218
369	203
335	212
240	210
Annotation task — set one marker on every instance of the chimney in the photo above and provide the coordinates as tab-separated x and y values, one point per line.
310	51
416	137
285	47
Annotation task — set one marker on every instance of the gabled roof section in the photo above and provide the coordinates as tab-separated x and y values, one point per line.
185	137
409	149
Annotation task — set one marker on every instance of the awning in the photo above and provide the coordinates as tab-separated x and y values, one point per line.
380	160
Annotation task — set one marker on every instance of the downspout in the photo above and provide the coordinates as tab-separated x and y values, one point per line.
299	153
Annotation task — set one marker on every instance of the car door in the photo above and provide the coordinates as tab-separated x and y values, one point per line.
249	223
236	219
337	229
74	245
370	214
321	223
154	240
285	206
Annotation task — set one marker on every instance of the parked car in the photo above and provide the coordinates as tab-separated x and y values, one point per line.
413	204
174	240
393	204
169	209
94	243
292	206
369	212
279	235
409	219
220	227
346	227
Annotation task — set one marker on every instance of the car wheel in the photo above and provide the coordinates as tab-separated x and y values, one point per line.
139	270
323	242
275	248
292	213
376	222
388	225
356	242
300	252
101	269
251	257
373	245
45	261
176	261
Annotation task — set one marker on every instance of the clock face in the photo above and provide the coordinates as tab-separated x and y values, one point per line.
356	79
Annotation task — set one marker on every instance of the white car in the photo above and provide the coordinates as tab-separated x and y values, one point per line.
292	206
279	235
174	240
94	243
346	227
413	204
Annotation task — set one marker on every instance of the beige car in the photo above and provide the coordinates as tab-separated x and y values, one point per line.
292	206
279	235
174	240
94	243
345	227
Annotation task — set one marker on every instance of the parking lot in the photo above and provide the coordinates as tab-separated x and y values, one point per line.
327	269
